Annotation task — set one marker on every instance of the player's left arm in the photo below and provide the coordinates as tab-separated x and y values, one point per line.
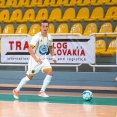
51	49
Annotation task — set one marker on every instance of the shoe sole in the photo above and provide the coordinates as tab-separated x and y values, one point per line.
15	96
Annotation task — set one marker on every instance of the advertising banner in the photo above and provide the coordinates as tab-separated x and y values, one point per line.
68	49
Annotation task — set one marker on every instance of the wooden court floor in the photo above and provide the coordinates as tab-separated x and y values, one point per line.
59	104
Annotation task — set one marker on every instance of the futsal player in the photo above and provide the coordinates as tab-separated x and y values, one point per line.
38	49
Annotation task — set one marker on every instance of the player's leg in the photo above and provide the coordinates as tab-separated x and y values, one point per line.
20	85
25	79
49	73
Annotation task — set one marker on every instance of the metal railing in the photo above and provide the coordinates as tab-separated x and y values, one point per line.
111	33
14	35
94	66
53	65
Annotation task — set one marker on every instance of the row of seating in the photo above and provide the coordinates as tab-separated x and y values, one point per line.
53	3
63	28
101	50
56	15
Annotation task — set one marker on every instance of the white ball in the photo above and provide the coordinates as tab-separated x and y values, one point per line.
87	95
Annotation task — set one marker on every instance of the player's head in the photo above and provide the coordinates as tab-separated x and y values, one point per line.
44	26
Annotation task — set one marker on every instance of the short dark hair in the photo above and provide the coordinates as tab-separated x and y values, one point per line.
44	21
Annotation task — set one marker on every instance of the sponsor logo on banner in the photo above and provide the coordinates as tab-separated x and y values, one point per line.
15	50
68	49
74	49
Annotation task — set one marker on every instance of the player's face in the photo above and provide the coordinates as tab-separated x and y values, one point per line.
44	27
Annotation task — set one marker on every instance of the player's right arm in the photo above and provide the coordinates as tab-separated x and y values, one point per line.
33	43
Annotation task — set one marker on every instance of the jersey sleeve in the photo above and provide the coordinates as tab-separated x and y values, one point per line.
34	40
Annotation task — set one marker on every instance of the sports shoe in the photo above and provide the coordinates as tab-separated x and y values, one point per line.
42	94
16	94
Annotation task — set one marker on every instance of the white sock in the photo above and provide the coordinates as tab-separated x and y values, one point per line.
46	82
22	83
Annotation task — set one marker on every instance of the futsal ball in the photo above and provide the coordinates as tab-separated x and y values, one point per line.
87	95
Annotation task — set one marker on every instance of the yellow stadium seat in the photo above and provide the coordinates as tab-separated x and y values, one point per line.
51	28
8	29
115	14
110	14
73	3
8	4
100	46
33	3
62	28
46	3
59	3
34	29
77	28
16	15
115	19
94	16
21	29
83	13
29	15
14	2
55	14
2	3
86	3
105	28
100	2
41	15
111	51
69	14
90	28
113	2
21	3
113	35
4	15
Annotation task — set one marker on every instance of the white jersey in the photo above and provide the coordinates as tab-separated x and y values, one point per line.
41	44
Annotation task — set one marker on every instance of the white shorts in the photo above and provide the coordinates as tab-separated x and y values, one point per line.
34	67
